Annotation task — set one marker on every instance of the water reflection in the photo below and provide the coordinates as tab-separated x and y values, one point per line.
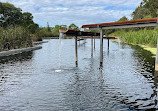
9	76
126	81
86	91
145	58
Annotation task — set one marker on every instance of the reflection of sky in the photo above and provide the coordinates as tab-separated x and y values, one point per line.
78	12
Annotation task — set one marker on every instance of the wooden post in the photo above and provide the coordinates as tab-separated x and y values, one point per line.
156	61
94	43
108	43
101	47
92	46
76	53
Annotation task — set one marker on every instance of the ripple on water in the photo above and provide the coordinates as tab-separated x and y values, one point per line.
37	81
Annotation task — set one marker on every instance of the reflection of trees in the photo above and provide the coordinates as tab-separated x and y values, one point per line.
147	61
18	57
154	95
145	58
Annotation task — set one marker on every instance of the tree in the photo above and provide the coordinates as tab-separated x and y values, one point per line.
27	19
152	6
73	27
63	27
48	28
140	13
147	9
124	18
33	28
10	15
55	30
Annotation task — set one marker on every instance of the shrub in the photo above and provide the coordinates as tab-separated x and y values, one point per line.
14	37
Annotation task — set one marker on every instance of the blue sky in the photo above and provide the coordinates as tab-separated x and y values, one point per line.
76	11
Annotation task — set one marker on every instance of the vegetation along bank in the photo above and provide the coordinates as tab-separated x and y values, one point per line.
144	37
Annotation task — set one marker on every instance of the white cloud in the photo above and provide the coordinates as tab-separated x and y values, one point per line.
76	11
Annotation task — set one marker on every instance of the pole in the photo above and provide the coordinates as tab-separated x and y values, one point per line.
101	47
108	43
92	46
156	61
76	53
94	43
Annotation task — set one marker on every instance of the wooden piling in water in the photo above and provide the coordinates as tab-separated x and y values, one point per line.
156	61
91	46
108	44
94	43
76	53
101	47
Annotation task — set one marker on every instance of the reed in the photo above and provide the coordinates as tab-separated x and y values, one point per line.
13	38
142	37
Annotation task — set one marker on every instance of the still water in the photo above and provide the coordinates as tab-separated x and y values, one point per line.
47	79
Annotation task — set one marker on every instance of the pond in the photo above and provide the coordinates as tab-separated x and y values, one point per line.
47	79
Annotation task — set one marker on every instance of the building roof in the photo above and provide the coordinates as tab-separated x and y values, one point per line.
131	22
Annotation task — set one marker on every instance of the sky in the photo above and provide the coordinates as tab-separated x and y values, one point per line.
79	12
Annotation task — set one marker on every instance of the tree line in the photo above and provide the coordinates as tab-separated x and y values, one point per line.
146	9
18	30
11	16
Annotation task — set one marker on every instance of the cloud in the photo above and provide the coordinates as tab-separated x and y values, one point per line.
76	11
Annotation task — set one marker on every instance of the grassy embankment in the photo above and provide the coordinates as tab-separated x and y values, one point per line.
13	38
144	38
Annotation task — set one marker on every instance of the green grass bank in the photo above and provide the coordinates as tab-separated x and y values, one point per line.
145	38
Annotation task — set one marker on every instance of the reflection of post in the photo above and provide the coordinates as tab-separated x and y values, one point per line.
101	47
108	43
84	41
92	46
76	55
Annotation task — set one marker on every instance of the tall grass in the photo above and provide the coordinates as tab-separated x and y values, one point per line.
39	35
143	37
13	38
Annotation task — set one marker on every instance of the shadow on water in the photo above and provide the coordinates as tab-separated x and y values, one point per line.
25	56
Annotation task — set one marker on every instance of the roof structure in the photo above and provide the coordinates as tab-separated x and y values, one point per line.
78	33
125	24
